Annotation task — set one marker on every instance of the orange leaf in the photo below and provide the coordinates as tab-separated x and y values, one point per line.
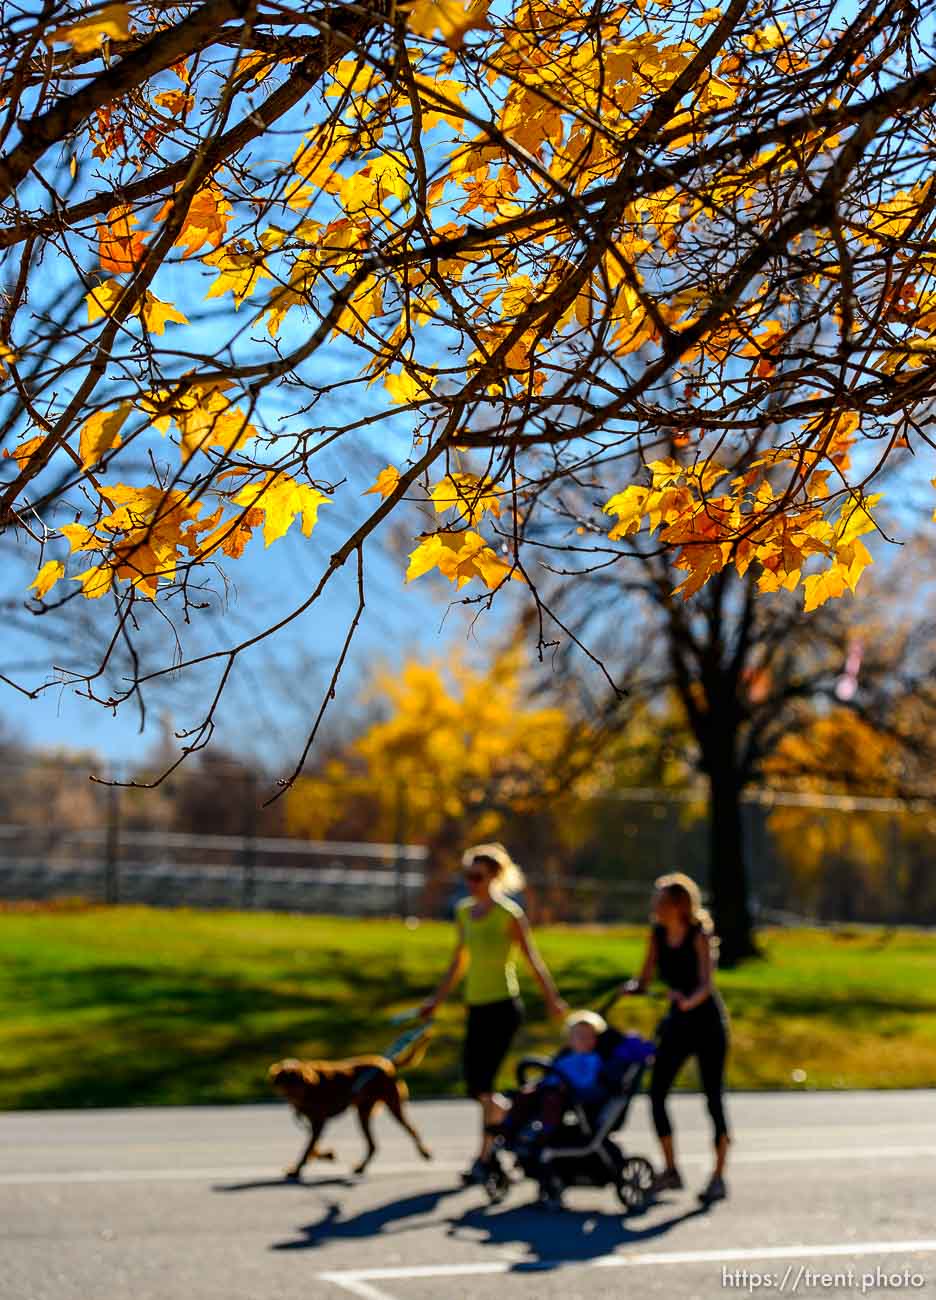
385	484
120	247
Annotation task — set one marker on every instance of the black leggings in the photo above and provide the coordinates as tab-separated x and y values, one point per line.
491	1027
702	1033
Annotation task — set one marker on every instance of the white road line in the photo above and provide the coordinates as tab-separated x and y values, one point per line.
385	1170
355	1286
267	1174
359	1282
856	1152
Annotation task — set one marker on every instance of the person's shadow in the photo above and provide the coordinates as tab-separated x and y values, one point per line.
565	1237
560	1237
369	1223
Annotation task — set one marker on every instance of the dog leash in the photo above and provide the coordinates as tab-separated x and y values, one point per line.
399	1045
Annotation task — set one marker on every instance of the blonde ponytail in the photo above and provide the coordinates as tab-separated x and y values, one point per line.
506	876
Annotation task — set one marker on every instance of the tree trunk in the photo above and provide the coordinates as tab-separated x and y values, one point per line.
728	882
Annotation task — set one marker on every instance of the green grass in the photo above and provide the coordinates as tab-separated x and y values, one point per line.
138	1006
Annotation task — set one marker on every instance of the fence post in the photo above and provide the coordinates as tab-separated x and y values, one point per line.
112	858
249	849
401	890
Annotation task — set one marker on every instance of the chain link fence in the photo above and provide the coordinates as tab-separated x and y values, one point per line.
810	857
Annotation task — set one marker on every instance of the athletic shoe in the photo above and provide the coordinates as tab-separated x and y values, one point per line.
668	1180
715	1191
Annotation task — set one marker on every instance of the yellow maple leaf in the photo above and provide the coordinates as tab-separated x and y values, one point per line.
892	218
405	388
820	587
629	507
765	346
47	577
470	495
382	177
82	538
367	303
204	417
452	19
111	21
853	560
239	272
100	434
95	582
282	499
460	557
24	453
426	555
385	484
102	299
157	313
175	102
855	519
769	37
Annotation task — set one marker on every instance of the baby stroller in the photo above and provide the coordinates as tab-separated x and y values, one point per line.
580	1151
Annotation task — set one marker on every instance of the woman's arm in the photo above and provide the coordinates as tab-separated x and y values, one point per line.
641	983
457	967
523	935
703	949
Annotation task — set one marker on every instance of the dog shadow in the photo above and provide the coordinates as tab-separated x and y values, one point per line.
369	1223
282	1181
562	1237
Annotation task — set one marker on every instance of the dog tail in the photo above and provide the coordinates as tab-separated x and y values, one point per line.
413	1053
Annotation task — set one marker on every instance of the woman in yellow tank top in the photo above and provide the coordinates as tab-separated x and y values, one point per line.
490	929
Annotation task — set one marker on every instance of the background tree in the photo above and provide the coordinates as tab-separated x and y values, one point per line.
755	693
456	754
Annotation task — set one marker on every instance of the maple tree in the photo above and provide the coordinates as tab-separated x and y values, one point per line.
679	255
457	753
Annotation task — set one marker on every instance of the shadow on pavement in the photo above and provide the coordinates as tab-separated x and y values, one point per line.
369	1223
552	1239
282	1181
560	1237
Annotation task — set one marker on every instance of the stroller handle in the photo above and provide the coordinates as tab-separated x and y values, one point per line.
624	987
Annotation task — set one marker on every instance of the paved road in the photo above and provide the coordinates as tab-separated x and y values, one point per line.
186	1204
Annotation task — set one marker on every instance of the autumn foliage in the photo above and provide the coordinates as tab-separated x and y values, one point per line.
570	273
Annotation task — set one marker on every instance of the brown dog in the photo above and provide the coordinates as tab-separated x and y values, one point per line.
320	1090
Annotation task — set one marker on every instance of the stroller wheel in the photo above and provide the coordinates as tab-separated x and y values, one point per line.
497	1183
550	1192
634	1183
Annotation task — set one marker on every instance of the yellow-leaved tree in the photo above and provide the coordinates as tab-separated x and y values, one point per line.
459	754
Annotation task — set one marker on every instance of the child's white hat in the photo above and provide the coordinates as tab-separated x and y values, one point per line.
598	1023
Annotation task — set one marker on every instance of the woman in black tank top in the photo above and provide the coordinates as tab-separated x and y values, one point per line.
682	951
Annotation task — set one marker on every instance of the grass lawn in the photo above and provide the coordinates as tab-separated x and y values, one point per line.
137	1006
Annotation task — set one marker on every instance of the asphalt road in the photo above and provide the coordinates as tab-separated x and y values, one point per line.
829	1194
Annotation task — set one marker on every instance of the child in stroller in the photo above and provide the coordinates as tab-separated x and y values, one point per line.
559	1128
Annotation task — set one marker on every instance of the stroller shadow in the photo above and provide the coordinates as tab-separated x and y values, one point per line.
369	1223
565	1237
